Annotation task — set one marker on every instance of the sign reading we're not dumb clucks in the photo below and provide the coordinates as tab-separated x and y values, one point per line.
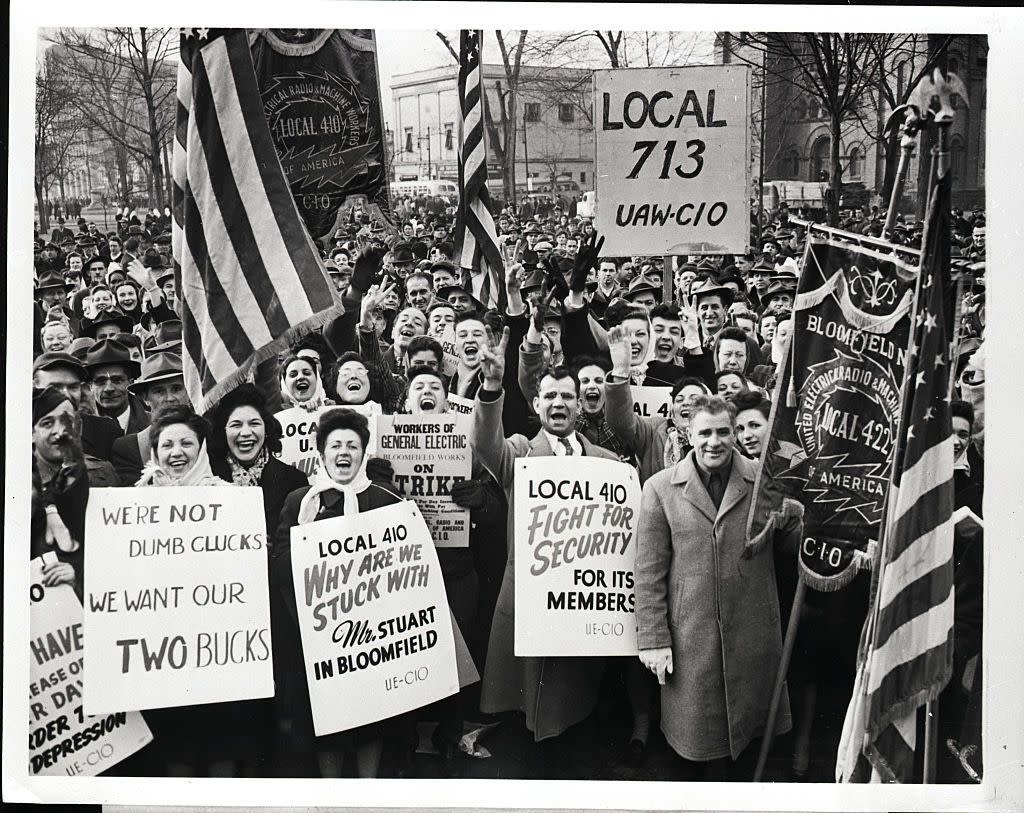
673	160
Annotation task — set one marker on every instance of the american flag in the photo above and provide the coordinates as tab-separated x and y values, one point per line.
247	273
906	650
475	233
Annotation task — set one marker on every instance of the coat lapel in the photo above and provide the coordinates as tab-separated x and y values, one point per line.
685	475
737	487
539	446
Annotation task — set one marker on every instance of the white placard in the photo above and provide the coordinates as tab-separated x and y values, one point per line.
177	604
62	740
673	160
376	631
652	402
575	548
429	454
298	441
458	403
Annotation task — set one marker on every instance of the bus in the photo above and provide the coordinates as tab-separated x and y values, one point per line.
425	188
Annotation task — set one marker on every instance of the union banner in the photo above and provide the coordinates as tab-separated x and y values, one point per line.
322	102
836	404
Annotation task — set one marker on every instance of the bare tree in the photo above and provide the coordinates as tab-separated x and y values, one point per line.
123	83
57	125
836	70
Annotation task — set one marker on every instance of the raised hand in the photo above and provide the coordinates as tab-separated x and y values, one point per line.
585	260
514	277
367	265
372	300
492	360
618	348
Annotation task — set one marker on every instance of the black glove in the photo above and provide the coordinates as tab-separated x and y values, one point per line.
586	259
555	278
469	494
367	265
380	470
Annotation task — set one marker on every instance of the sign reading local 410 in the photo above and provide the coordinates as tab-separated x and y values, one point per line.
673	159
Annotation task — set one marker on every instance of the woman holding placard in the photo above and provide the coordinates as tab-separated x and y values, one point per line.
340	488
215	739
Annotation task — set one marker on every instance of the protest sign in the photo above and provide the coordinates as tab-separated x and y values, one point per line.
673	160
298	438
450	359
177	607
63	741
652	402
460	404
836	403
429	454
575	546
373	617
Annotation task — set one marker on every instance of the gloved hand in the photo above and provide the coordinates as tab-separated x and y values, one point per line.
380	470
367	265
585	260
469	494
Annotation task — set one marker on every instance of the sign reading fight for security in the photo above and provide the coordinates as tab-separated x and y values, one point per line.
575	547
177	606
377	636
63	741
673	160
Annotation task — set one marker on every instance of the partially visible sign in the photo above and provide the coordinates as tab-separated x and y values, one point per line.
376	631
298	441
575	549
652	402
62	740
457	403
430	454
177	603
673	160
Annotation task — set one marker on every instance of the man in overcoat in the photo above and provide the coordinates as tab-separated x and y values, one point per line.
706	601
553	693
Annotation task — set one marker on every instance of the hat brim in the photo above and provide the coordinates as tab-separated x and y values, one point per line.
142	383
124	322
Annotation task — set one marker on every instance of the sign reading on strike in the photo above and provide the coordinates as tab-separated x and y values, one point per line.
673	160
376	631
430	454
63	741
575	547
298	440
177	607
652	402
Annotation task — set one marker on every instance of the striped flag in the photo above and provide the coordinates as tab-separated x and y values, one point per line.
476	237
248	276
906	651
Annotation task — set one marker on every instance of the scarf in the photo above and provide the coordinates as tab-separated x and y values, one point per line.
595	428
199	475
242	475
310	505
317	400
677	445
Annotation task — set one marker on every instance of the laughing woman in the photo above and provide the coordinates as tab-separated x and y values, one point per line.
340	489
301	385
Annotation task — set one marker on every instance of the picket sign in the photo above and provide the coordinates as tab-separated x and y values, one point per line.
575	549
298	441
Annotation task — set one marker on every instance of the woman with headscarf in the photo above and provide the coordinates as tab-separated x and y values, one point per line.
340	488
300	382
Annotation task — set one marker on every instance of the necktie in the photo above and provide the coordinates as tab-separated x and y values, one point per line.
715	488
566	445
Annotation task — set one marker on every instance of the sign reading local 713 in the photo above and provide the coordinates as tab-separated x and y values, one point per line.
673	160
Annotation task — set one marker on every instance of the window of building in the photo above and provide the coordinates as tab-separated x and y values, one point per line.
819	158
813	111
855	165
791	164
566	113
408	139
532	112
449	136
800	108
953	64
956	148
955	100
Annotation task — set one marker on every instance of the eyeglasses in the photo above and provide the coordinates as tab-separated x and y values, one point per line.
115	380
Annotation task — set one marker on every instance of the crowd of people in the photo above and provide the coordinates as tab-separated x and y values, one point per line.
548	374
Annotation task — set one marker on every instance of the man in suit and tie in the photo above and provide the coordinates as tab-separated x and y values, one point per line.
553	693
160	385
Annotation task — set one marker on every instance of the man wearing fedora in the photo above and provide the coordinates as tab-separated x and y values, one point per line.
107	324
111	369
51	294
710	301
160	384
643	292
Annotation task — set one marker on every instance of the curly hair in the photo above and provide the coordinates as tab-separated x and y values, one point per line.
242	395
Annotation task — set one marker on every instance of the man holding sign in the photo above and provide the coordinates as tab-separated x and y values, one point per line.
553	692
